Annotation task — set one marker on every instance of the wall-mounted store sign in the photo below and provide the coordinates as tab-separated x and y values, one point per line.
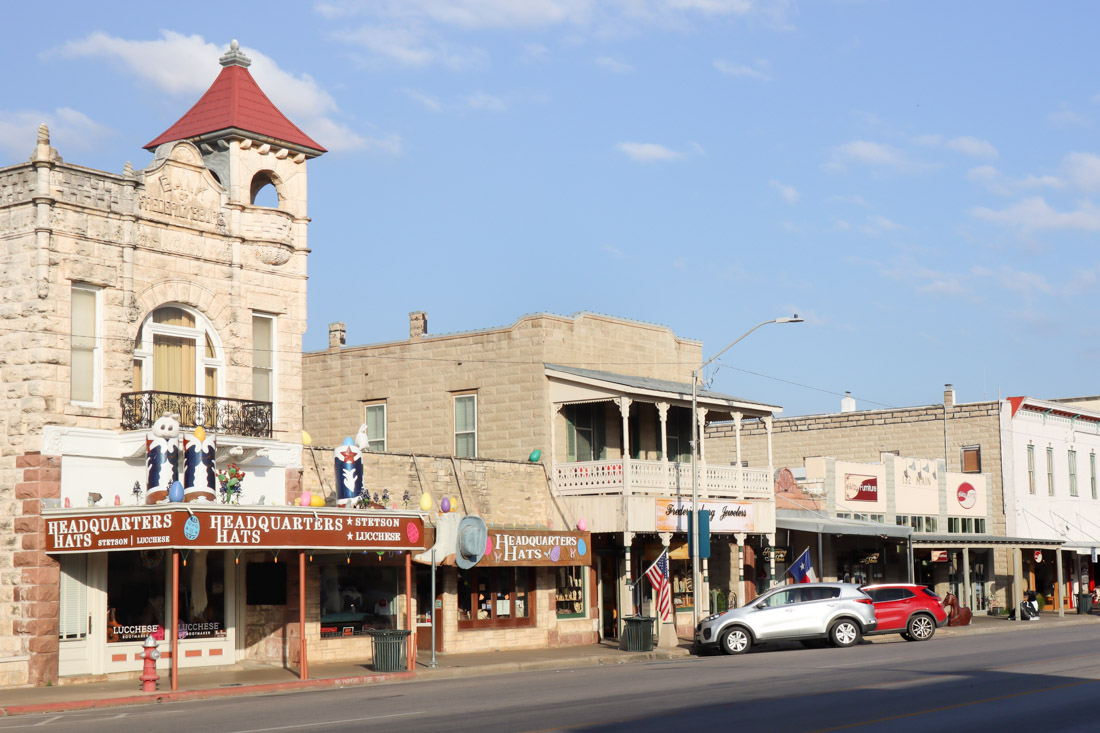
781	554
523	547
725	516
860	488
242	527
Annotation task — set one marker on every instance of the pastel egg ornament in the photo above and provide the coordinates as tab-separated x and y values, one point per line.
317	500
582	548
306	499
582	524
175	492
425	502
412	532
445	505
555	553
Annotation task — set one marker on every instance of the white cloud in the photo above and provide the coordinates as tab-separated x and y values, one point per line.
870	154
1069	118
476	101
788	193
974	147
481	100
1034	214
999	183
713	7
468	14
742	70
412	47
69	130
929	141
427	101
875	225
1083	170
613	65
534	51
186	66
648	152
854	198
1016	281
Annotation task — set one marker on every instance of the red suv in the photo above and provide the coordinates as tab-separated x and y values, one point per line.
910	610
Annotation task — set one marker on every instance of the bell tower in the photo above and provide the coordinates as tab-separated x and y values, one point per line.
245	140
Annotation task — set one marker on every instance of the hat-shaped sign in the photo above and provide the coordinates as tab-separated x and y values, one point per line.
473	536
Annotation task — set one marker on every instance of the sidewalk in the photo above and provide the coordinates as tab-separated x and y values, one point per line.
257	679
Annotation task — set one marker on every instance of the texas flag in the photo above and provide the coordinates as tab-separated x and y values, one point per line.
803	570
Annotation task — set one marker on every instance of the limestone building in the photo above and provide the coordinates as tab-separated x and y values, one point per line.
125	296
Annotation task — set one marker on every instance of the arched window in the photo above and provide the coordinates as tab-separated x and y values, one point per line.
178	351
265	190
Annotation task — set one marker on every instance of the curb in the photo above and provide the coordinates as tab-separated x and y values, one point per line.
338	682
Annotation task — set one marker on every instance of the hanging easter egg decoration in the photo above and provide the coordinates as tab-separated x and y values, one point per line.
582	548
536	454
425	502
175	492
582	524
445	505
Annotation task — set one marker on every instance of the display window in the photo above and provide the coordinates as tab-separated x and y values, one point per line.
358	598
495	597
682	587
202	595
135	595
569	596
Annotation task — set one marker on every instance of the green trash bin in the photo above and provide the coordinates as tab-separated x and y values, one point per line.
389	649
638	633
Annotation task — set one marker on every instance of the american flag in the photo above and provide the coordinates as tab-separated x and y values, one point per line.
662	589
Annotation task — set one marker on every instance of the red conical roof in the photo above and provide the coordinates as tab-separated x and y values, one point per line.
235	101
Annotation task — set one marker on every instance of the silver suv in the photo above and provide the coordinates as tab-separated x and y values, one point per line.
838	612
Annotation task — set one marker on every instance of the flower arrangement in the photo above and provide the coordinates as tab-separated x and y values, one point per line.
229	483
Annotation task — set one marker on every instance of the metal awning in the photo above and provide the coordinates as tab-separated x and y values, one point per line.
979	540
832	525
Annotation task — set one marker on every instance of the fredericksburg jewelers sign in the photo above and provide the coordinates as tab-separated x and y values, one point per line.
725	516
210	528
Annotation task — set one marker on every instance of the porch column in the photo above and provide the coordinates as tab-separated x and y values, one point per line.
768	427
740	536
628	539
175	637
410	620
1059	590
303	663
662	415
1017	596
771	563
667	637
702	418
737	440
555	410
624	410
966	579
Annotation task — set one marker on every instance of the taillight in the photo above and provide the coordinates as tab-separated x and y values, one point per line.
867	601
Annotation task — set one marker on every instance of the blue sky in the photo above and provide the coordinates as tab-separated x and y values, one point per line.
918	180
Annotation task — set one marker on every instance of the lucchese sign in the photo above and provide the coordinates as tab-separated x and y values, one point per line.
202	528
534	547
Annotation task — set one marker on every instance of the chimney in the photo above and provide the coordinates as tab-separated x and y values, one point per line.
418	325
337	335
948	395
848	404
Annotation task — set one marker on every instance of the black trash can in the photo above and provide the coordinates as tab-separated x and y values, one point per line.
1084	603
637	633
389	649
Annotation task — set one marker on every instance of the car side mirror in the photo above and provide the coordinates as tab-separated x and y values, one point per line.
759	606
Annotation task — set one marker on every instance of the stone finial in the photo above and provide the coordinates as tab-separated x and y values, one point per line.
337	335
418	324
234	57
43	134
128	169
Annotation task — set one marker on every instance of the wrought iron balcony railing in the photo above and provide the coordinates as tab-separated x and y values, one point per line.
220	415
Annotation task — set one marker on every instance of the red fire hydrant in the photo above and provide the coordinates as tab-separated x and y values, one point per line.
149	674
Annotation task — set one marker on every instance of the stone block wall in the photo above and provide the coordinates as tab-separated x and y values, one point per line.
418	379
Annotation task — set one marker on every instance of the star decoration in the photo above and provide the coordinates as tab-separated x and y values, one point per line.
349	535
348	455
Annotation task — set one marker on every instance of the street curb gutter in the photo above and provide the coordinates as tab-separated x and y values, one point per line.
338	682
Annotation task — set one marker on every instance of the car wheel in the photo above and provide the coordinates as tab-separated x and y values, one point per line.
844	632
736	640
921	628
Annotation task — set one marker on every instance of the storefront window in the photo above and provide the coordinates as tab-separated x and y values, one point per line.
357	598
135	595
202	595
682	588
569	597
490	597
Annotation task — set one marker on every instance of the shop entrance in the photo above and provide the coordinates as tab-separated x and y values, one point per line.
424	608
609	597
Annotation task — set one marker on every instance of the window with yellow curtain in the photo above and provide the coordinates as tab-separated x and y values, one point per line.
173	364
263	362
84	345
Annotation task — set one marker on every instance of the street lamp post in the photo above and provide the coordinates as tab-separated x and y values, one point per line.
696	586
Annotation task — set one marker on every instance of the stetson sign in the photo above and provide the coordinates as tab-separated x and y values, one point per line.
212	528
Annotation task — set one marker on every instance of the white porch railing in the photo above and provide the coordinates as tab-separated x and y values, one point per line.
655	478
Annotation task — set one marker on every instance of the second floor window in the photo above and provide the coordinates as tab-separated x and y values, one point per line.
1031	469
375	419
1092	473
585	433
178	351
1072	472
972	459
263	358
84	370
466	426
1050	471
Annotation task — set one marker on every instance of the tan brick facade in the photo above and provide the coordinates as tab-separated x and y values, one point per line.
418	379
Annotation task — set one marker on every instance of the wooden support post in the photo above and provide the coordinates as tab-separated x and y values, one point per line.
303	663
175	619
410	641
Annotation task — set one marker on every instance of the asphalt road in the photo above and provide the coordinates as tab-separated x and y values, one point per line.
1025	681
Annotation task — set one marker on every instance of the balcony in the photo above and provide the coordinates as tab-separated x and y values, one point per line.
219	415
655	478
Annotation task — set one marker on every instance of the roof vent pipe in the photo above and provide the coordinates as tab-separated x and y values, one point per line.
848	404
